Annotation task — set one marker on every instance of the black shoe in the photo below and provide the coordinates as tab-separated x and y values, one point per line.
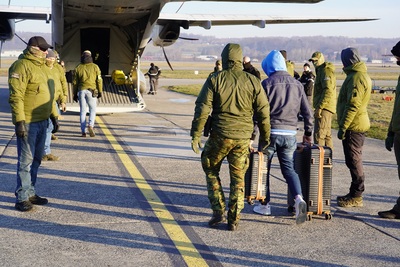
233	226
36	200
389	214
217	218
291	210
23	206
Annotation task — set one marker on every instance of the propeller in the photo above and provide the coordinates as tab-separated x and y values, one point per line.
166	58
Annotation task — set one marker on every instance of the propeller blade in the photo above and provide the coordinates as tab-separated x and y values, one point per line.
187	38
166	58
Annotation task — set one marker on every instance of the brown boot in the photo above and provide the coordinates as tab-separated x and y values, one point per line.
217	218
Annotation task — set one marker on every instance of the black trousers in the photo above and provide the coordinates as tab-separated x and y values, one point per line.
352	148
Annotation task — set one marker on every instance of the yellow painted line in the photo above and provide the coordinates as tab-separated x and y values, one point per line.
184	245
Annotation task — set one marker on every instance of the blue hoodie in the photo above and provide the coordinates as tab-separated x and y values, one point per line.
286	97
273	62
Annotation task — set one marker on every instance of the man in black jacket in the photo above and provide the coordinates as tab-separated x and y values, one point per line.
248	67
307	80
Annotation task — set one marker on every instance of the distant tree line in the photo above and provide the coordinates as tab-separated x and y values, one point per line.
298	49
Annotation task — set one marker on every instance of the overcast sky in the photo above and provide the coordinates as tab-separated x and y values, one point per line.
386	10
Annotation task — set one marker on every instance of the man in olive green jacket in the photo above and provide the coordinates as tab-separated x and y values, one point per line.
31	99
353	121
393	139
324	99
233	96
88	86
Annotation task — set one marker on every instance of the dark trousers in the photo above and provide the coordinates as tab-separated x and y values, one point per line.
396	146
352	148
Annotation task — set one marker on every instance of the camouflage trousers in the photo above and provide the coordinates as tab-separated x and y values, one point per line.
323	129
237	154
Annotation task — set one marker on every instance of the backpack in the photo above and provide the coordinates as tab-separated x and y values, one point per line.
118	76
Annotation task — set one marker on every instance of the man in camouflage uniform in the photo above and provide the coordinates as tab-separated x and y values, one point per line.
233	96
324	99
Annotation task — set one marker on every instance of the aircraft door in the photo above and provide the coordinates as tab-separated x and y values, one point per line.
97	40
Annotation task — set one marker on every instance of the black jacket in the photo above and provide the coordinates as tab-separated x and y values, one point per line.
307	80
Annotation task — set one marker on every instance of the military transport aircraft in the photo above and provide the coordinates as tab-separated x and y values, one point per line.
118	31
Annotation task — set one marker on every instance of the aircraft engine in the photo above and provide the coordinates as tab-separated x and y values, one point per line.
165	35
7	29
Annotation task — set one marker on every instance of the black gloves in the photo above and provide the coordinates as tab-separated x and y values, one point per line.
56	126
20	129
98	94
75	98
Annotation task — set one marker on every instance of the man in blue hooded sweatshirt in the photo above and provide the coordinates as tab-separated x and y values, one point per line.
286	97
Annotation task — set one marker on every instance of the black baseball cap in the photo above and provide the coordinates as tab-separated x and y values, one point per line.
40	42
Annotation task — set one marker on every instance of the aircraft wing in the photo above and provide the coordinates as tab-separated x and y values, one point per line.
24	12
206	21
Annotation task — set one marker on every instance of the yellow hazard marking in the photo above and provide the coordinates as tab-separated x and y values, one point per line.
184	245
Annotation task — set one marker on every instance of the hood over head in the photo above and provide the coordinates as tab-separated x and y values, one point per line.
273	62
350	56
232	56
396	50
317	59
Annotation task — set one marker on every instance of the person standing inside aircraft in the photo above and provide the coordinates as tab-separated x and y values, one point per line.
324	99
307	80
88	86
286	96
393	139
32	104
234	96
153	73
353	122
248	67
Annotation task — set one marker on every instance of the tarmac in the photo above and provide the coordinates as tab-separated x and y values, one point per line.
135	195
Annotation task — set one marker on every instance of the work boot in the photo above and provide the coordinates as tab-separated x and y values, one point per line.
217	218
91	132
36	200
389	214
349	201
83	134
54	137
24	205
233	226
50	157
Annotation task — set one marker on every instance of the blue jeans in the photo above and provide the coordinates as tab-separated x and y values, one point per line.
86	99
284	146
30	151
47	143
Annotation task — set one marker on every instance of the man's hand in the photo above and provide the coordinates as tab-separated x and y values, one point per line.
307	139
63	107
341	134
196	144
75	98
265	145
318	113
98	94
56	126
251	148
20	129
389	141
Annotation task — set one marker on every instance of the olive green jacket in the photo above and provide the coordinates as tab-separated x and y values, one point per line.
325	87
234	96
353	99
32	89
87	76
394	125
63	84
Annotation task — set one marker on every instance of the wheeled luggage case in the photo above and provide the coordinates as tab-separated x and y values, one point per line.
255	180
313	164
